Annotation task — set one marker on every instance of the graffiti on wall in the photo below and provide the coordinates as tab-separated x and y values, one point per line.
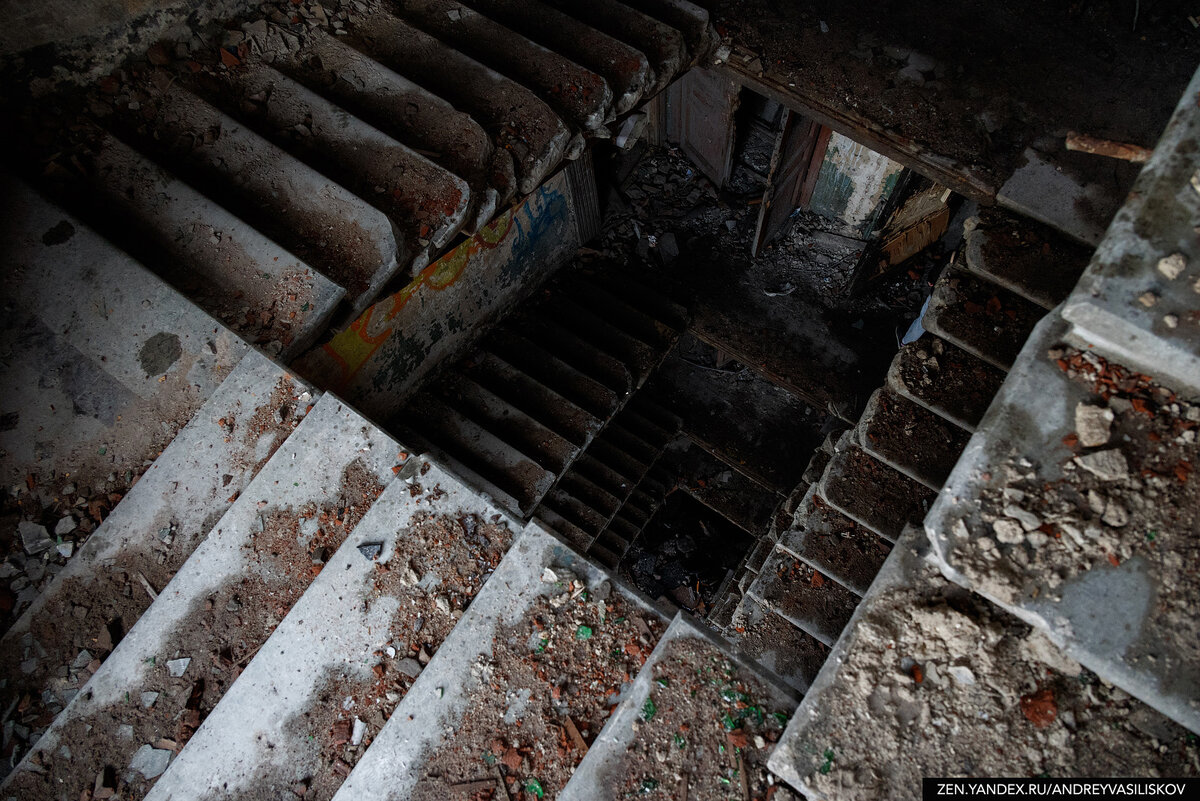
389	342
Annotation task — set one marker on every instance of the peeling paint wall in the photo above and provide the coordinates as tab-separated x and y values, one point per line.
853	185
379	360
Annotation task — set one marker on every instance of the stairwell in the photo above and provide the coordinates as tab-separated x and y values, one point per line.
287	597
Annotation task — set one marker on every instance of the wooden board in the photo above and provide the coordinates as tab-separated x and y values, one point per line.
791	168
707	101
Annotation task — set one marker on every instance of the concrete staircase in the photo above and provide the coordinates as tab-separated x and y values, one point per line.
1087	675
210	212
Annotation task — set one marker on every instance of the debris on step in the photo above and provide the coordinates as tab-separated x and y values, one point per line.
527	655
331	675
1018	705
697	723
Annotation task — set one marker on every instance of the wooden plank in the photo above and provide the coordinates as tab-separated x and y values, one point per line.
789	171
709	100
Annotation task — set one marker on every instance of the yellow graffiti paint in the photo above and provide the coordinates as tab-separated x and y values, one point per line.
353	347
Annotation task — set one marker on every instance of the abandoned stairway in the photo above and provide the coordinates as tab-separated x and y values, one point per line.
283	180
868	483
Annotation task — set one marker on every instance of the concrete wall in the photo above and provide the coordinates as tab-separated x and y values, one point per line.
854	184
381	358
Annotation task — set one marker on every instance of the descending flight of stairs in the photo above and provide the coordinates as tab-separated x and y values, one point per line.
296	601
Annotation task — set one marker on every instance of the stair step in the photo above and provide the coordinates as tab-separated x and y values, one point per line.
603	476
258	289
527	434
316	219
663	45
447	723
758	555
104	361
339	639
190	485
777	644
638	356
624	285
223	603
834	544
740	500
666	699
497	462
578	95
808	598
521	123
612	541
1026	257
623	529
573	534
624	69
423	201
631	419
535	399
686	17
619	312
604	450
946	380
577	350
617	435
430	125
909	601
756	427
560	375
908	437
980	317
577	511
873	494
591	493
605	555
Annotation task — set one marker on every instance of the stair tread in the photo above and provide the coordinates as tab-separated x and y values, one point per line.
107	362
980	317
450	706
945	379
528	434
739	499
639	357
558	373
873	494
224	265
525	392
667	685
521	122
449	137
587	105
805	596
777	644
663	45
191	484
341	463
624	68
334	642
576	511
1026	257
422	199
908	437
834	544
498	462
578	351
289	201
